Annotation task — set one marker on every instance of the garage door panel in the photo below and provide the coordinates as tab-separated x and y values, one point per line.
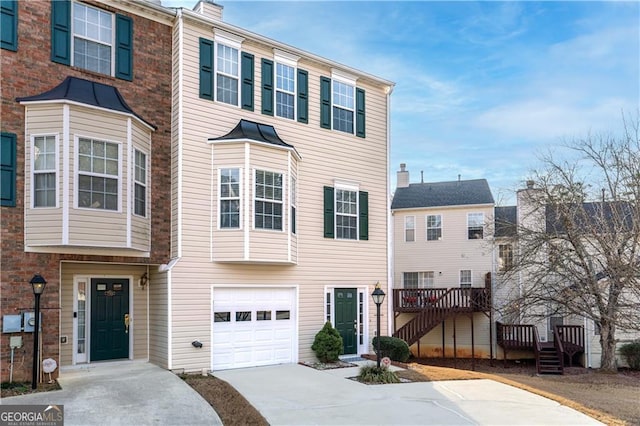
260	339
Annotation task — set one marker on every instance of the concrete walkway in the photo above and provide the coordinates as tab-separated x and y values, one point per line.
130	393
295	395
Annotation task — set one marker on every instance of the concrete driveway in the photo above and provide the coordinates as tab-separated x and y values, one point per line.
294	395
130	393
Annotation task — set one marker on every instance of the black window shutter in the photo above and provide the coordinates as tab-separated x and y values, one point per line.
325	102
329	218
124	47
247	81
303	96
8	170
9	25
360	113
293	220
206	69
61	32
267	87
363	200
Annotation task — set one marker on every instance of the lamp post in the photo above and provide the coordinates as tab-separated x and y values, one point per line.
37	283
378	298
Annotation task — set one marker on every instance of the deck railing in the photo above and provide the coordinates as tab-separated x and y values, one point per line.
415	300
517	337
572	338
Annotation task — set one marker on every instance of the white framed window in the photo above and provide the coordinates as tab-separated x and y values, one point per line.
227	74
98	174
505	257
475	226
294	203
465	278
434	227
346	214
285	91
268	200
44	170
418	279
409	228
227	66
140	183
93	38
229	193
343	105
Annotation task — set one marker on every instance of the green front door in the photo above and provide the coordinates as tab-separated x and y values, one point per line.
346	318
109	319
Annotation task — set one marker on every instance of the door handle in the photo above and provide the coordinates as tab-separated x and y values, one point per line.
126	323
355	325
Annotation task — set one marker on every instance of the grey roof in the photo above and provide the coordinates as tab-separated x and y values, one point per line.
440	194
593	217
251	130
506	221
88	93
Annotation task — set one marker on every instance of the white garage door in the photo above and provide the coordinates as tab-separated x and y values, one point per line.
253	327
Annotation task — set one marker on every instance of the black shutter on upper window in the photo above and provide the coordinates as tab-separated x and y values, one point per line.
247	81
124	47
360	113
329	219
363	200
267	87
325	102
206	69
61	31
303	96
9	27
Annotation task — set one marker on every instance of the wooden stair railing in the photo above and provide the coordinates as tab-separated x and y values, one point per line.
572	338
421	324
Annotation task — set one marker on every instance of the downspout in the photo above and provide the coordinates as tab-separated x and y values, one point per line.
390	324
587	342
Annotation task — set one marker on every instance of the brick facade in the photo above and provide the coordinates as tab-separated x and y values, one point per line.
29	71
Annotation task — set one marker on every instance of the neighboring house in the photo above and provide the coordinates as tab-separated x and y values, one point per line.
86	160
442	263
279	201
509	221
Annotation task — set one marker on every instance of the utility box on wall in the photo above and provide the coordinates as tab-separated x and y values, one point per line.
11	323
29	322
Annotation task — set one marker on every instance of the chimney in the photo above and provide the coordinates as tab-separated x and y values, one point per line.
403	177
209	9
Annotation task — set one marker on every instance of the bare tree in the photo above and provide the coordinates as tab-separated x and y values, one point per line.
578	237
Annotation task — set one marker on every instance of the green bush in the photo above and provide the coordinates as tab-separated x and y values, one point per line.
372	374
328	344
394	348
631	352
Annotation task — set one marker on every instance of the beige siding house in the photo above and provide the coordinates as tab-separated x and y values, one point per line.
442	262
279	201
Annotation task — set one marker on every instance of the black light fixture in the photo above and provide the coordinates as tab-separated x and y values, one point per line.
37	284
378	298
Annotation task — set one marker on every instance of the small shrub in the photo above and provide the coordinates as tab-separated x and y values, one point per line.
373	374
394	348
631	353
328	344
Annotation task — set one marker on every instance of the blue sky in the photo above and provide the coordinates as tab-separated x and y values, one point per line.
482	88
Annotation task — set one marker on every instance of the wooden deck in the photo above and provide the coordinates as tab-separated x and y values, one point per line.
551	357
